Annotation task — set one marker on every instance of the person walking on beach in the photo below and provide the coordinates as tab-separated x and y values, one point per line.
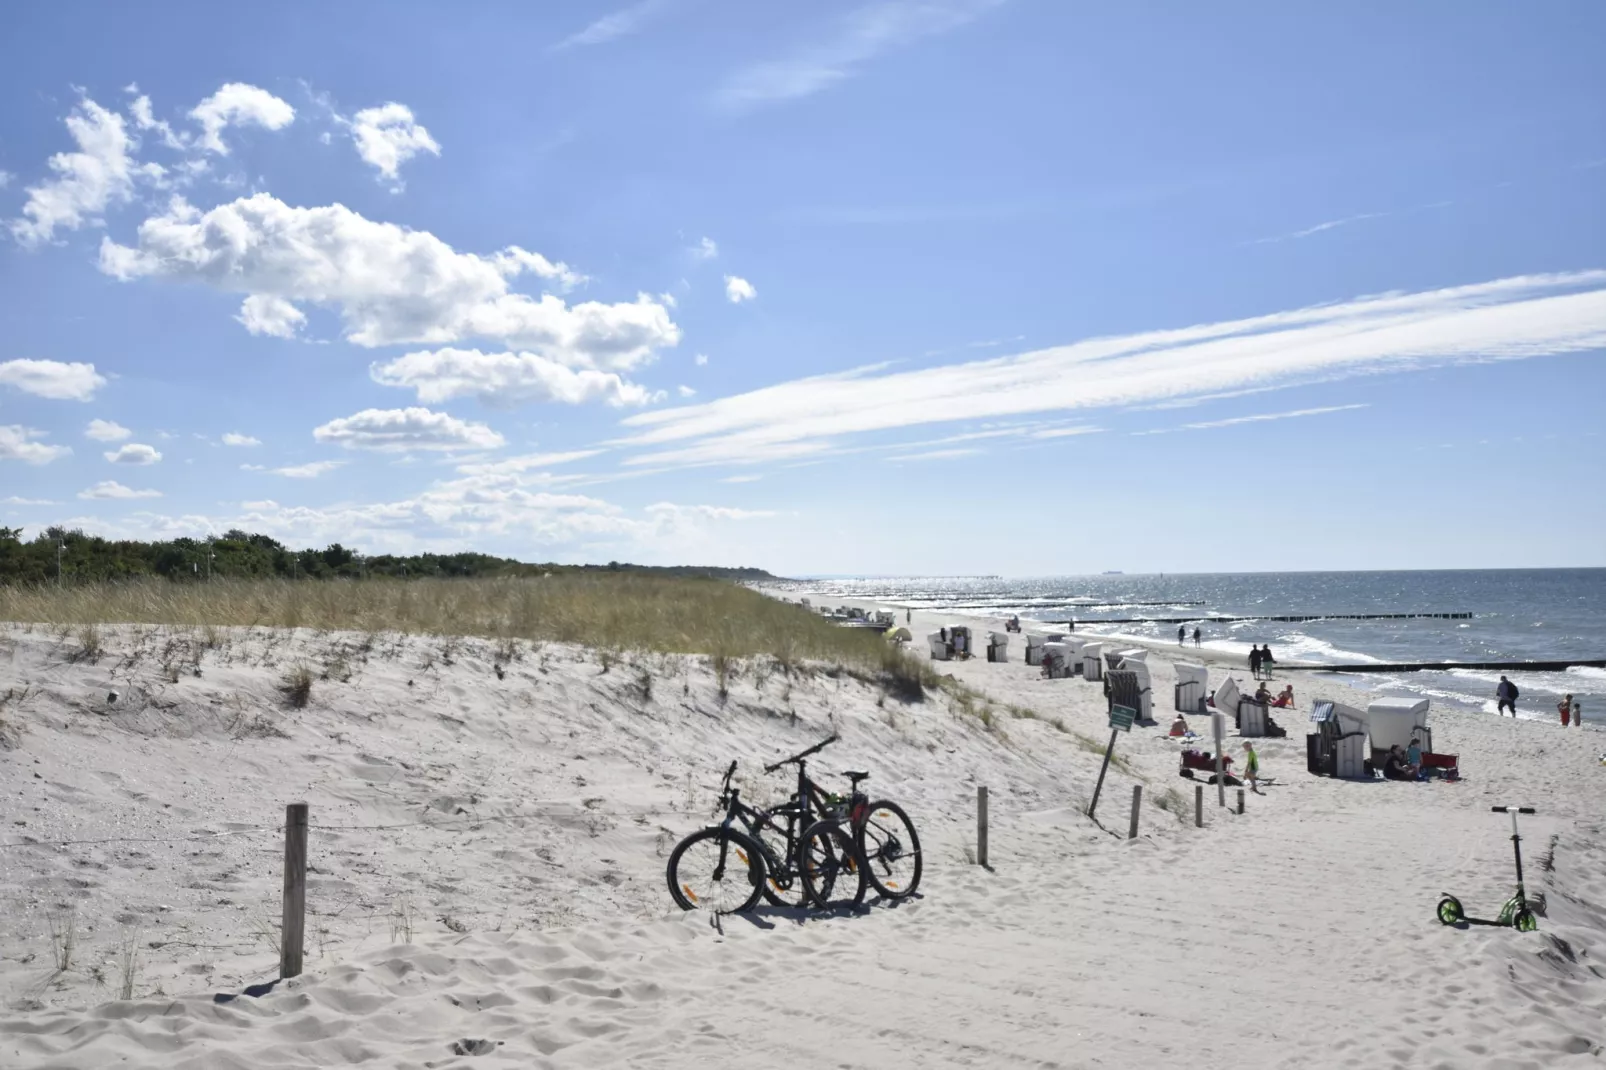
1506	696
1196	637
1254	662
1265	660
1252	768
1182	634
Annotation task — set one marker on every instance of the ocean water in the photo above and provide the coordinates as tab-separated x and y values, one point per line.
1518	615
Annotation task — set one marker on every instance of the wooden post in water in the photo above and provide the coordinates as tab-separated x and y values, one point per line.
1240	800
294	927
1137	801
981	826
1198	806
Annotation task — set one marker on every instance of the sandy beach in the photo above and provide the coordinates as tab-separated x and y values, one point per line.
489	833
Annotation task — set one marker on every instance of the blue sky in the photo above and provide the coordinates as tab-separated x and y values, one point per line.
952	286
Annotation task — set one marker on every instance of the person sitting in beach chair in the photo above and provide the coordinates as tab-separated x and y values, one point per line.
1262	695
1179	727
1284	699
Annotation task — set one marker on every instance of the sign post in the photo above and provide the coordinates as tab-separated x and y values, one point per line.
1218	726
1121	718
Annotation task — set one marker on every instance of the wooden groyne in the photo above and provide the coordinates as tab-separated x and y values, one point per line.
1429	666
1288	618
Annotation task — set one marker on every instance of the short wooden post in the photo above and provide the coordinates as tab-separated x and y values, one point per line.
1198	806
981	826
294	927
1240	800
1137	801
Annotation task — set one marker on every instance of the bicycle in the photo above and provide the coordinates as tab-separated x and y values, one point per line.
884	848
764	841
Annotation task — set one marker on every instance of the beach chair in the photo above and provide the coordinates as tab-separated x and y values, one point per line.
997	646
1190	690
1034	648
939	647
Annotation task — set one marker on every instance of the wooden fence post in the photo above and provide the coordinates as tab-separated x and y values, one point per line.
294	927
981	826
1198	806
1240	800
1137	801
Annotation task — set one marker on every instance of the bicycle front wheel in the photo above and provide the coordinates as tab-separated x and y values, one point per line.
890	848
783	885
832	875
716	869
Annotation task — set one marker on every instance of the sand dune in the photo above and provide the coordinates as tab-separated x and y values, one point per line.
496	894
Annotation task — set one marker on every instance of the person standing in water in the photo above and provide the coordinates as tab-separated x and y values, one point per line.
1565	706
1182	634
1196	637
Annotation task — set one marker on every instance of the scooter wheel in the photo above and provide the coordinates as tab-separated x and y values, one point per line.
1450	911
1524	921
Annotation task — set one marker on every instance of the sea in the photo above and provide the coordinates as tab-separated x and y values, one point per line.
1517	615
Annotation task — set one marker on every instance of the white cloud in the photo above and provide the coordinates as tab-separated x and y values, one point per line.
393	430
741	479
1066	432
311	470
503	379
14	500
388	136
1507	319
614	25
937	455
52	379
5	179
523	464
134	453
146	120
1255	419
685	391
706	512
861	36
272	316
106	431
706	249
391	285
738	290
236	104
1318	228
17	444
234	438
100	174
111	489
700	359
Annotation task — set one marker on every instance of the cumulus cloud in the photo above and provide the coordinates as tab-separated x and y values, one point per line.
234	438
134	453
84	183
1507	319
700	359
106	431
391	285
504	379
52	379
17	444
685	391
706	249
738	289
112	490
388	136
145	119
273	316
237	104
310	470
393	430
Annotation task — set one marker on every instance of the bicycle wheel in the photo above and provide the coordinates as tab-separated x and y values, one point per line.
832	876
783	885
890	848
716	869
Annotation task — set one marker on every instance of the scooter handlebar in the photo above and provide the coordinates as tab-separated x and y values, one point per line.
1510	809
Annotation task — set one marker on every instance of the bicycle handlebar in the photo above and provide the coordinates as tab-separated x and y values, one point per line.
802	754
1510	809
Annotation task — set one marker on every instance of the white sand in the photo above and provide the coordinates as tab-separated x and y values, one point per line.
539	808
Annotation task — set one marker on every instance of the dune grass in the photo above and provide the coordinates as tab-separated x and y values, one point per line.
607	611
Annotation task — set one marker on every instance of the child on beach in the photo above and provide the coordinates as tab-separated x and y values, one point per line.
1252	768
1566	708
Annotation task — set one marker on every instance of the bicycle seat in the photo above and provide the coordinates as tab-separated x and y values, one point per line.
856	777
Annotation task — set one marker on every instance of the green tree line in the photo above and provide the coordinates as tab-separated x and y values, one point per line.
71	556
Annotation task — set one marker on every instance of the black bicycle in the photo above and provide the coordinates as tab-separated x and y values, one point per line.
726	867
